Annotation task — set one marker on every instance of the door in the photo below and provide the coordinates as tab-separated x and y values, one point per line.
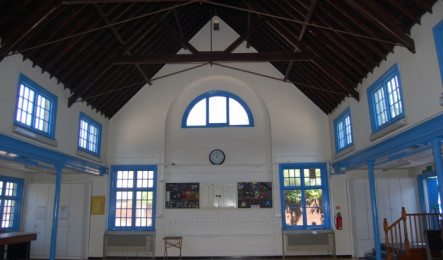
73	222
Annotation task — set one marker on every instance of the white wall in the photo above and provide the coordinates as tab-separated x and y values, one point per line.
66	129
288	128
422	87
66	135
420	78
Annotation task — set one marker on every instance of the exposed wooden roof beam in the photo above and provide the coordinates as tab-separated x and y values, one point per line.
179	37
120	40
210	56
22	33
70	2
243	37
383	24
308	18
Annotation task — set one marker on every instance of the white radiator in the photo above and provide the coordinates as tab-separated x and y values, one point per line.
308	242
131	243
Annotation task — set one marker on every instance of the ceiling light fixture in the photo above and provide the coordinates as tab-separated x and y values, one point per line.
9	155
216	23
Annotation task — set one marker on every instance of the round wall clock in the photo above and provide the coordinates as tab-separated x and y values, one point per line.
216	156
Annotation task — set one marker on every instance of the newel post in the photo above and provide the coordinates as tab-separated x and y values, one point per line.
405	228
388	250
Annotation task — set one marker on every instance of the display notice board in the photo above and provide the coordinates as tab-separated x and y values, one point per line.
254	194
182	195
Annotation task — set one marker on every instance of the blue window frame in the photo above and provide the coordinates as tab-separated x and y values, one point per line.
132	197
438	37
89	135
36	107
343	130
386	99
217	109
11	193
304	196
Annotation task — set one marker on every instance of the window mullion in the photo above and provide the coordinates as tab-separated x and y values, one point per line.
134	200
303	205
34	110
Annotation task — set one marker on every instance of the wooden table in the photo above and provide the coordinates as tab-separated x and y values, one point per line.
173	242
19	244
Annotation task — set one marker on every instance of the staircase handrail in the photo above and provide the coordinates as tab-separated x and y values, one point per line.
396	234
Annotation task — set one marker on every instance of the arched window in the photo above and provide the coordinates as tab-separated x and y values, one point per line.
217	109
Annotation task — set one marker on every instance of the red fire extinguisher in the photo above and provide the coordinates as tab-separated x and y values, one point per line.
338	221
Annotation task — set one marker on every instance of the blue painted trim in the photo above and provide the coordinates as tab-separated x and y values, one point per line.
421	135
381	83
112	194
436	145
374	210
39	90
438	37
33	153
58	181
94	123
213	93
341	119
325	193
421	191
18	198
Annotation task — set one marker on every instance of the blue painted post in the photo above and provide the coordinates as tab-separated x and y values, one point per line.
55	214
374	210
436	144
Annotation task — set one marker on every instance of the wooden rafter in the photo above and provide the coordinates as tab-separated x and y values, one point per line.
210	56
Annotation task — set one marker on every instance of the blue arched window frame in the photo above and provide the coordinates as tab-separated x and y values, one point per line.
218	93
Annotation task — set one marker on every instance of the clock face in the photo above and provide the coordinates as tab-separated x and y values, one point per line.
217	156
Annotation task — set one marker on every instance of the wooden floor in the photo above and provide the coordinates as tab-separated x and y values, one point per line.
243	258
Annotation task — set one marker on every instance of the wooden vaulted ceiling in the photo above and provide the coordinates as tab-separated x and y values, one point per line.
105	51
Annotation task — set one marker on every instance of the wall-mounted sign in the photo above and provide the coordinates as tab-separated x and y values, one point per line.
98	205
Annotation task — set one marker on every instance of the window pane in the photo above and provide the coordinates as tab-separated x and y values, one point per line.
395	103
42	114
348	130
11	189
83	134
143	211
293	208
123	209
8	213
93	139
145	179
25	105
291	177
197	115
237	114
125	179
217	110
10	200
314	207
380	107
312	177
341	135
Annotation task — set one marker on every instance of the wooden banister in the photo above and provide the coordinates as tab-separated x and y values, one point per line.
407	232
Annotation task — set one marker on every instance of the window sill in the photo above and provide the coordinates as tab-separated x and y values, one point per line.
388	129
345	151
35	136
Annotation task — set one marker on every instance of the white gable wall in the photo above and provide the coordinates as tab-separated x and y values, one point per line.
288	128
